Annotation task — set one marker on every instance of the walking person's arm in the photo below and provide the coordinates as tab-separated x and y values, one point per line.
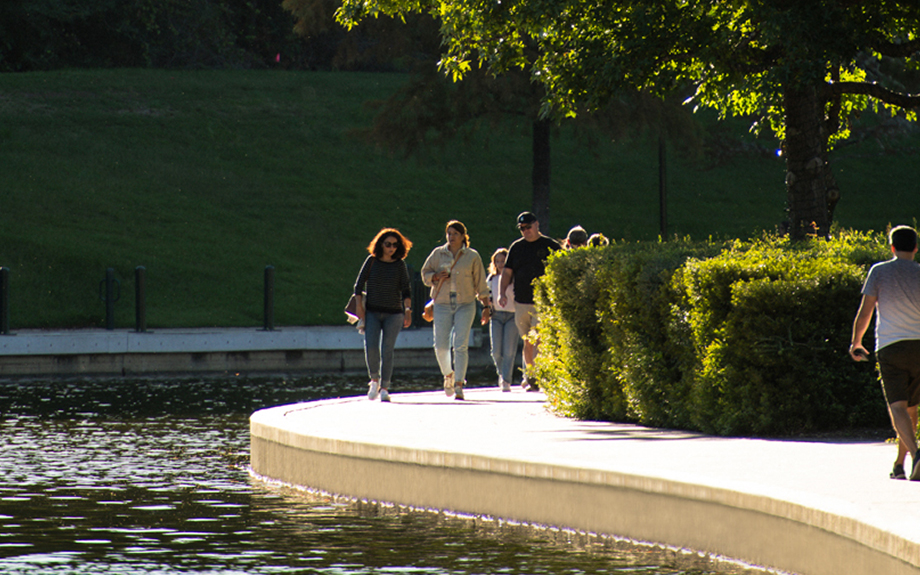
406	290
860	325
507	277
360	287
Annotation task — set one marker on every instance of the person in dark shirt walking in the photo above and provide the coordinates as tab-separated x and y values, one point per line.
526	262
384	299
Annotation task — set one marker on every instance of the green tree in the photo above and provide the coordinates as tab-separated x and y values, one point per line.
381	44
805	69
430	109
48	34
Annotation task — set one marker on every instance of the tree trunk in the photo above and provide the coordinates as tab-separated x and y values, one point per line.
540	174
808	177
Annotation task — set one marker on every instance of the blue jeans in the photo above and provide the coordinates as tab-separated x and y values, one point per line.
378	353
505	337
452	324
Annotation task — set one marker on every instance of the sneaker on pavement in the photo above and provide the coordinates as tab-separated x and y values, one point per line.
506	386
898	472
384	395
449	384
373	390
458	392
915	467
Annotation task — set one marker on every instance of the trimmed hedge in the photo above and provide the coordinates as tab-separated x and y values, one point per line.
720	337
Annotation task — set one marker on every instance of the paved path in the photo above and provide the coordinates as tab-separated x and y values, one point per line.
808	507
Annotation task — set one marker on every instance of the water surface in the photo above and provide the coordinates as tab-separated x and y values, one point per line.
151	477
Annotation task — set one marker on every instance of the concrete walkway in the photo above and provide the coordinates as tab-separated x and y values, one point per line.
806	507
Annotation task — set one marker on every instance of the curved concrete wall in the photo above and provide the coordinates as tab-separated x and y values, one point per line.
547	471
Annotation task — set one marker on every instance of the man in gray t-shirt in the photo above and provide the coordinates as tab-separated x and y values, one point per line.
893	289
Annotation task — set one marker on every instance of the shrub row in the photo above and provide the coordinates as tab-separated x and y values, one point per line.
721	337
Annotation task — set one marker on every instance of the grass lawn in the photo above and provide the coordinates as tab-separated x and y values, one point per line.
206	177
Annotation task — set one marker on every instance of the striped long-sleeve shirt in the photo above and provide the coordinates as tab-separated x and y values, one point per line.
385	285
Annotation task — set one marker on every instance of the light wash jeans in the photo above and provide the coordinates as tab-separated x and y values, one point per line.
452	324
378	352
505	337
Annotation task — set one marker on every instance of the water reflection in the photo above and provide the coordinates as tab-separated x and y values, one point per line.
151	476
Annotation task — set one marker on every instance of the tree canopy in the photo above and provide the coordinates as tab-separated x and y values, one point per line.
51	34
805	69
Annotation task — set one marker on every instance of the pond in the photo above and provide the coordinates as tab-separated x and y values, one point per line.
151	476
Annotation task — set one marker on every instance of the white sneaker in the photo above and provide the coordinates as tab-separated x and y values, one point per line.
506	386
384	395
374	389
449	384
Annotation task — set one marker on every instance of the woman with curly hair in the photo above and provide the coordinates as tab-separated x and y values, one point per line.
384	299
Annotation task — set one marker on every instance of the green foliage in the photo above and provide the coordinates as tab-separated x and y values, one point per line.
770	323
206	177
740	56
381	44
772	61
49	34
605	350
573	359
734	338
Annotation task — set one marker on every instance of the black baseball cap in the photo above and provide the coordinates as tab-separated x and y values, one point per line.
526	218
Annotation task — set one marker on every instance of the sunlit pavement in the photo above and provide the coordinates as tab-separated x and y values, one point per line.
802	506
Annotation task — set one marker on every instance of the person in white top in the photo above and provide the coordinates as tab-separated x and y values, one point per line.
892	289
503	332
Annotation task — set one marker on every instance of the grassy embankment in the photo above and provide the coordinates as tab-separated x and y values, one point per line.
205	178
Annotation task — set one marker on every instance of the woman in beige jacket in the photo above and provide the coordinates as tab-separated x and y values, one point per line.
457	279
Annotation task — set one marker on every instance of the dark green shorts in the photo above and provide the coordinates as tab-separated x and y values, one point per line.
899	364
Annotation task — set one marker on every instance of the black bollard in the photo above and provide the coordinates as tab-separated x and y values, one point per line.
109	292
269	298
5	301
662	188
420	295
140	299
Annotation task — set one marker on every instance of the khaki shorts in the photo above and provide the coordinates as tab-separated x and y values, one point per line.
525	317
899	365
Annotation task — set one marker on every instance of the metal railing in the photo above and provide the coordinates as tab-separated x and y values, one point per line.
110	294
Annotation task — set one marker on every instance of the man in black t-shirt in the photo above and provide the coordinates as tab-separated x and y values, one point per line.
526	262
